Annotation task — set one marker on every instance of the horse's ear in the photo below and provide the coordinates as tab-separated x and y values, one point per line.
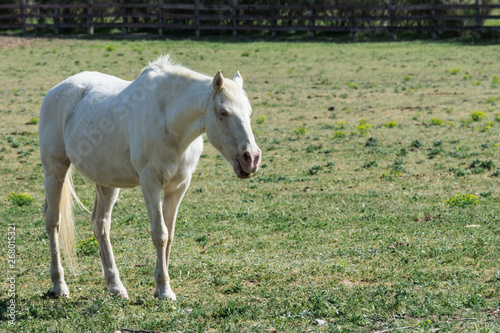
218	82
238	79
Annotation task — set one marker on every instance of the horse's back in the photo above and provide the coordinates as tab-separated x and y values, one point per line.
63	98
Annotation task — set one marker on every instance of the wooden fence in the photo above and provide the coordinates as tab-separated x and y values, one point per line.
162	16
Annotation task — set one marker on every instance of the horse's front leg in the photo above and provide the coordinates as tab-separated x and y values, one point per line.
151	190
171	202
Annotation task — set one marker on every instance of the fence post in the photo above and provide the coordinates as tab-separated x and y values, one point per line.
351	20
90	20
124	18
23	16
160	17
392	12
197	17
433	20
274	22
311	18
478	20
56	20
235	20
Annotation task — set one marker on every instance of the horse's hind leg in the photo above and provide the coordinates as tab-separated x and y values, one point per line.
101	222
55	171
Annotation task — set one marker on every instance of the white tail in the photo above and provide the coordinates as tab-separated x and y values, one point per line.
66	224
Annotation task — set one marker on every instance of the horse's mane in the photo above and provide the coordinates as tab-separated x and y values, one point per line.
165	64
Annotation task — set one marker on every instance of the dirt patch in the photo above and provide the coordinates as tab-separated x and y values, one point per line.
8	42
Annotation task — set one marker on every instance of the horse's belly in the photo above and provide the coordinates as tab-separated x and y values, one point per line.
111	177
103	159
107	169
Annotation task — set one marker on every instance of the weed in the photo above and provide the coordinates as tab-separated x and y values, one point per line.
398	166
434	152
312	148
437	143
14	143
477	166
391	124
485	194
261	119
495	81
230	310
454	71
301	130
314	170
370	164
474	301
341	125
245	54
462	200
478	115
88	247
352	85
492	100
363	129
330	164
110	48
497	117
417	144
234	289
20	199
137	49
33	121
339	134
436	122
461	172
390	175
371	142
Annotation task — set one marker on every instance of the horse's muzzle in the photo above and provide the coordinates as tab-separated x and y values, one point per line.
247	163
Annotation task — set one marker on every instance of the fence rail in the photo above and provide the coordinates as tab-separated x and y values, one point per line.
234	17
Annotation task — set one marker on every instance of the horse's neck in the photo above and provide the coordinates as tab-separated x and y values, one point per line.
185	102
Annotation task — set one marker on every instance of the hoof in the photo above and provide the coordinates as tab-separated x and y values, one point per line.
166	293
60	290
122	294
119	290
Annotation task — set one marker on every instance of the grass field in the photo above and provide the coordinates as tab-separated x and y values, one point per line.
377	205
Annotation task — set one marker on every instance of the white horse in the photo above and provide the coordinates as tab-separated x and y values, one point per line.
146	132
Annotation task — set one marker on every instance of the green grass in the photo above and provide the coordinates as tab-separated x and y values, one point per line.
350	225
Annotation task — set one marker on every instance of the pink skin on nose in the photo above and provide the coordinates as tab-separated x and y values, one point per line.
246	164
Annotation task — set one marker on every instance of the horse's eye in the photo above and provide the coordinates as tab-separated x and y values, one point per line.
223	113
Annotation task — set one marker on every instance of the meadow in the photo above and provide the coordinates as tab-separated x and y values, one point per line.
376	207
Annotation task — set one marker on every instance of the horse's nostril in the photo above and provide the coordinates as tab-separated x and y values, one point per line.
247	157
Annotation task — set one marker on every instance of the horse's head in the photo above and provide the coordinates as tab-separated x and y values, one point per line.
228	125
